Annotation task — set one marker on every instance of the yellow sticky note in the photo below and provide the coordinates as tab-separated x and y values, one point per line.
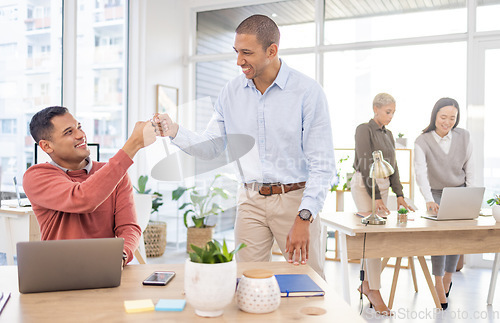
141	305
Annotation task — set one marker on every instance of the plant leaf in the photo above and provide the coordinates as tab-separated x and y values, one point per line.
176	195
221	192
184	205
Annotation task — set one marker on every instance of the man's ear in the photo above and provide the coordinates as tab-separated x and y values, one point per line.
46	146
272	51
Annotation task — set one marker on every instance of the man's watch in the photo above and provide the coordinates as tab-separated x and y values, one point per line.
124	257
305	215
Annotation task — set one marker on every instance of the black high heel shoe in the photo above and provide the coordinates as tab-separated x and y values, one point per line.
449	289
444	306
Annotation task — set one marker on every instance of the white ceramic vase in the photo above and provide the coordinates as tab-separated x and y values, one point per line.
495	210
258	292
209	287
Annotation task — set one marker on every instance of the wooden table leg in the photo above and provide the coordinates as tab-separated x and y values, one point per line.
493	280
428	278
384	263
343	266
413	273
394	281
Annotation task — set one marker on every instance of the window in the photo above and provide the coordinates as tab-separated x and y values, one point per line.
30	76
488	12
381	20
8	127
28	81
101	75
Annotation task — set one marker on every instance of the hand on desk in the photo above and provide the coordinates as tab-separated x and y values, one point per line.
382	210
401	202
433	207
297	242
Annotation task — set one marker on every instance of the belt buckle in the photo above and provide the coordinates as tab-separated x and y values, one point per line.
270	185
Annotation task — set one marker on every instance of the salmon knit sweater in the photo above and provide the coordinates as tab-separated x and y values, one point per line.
77	205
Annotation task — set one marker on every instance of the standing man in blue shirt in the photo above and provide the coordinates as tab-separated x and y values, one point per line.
286	113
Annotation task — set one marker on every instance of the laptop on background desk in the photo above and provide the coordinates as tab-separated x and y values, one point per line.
458	203
58	265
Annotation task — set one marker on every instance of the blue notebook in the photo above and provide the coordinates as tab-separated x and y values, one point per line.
296	285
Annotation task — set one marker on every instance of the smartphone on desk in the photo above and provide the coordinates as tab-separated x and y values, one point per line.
159	278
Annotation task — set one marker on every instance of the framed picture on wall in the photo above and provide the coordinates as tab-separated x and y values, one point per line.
167	100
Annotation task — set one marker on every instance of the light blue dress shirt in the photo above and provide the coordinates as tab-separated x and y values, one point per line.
290	123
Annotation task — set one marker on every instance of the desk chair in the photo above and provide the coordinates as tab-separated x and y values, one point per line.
143	207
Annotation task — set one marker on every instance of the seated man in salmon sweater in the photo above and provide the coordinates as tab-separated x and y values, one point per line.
74	197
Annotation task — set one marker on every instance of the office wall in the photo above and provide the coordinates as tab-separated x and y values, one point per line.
165	35
155	54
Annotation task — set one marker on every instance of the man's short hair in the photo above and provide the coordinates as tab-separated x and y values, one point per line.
41	126
263	27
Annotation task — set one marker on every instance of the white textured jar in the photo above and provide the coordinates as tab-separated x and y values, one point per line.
258	292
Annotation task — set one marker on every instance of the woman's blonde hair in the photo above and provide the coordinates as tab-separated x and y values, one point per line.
382	99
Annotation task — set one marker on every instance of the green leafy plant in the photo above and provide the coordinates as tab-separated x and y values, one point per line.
495	200
141	185
202	204
141	189
401	135
213	252
342	179
402	210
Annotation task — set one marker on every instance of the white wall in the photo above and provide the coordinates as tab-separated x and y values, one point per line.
164	47
156	57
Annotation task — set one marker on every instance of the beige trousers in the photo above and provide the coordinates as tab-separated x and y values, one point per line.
363	203
261	219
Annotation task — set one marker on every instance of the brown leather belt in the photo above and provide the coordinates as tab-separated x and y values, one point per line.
268	189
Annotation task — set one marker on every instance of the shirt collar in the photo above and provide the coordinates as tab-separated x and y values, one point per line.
445	138
87	168
280	79
375	126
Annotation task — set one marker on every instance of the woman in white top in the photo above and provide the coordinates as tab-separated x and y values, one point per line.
443	158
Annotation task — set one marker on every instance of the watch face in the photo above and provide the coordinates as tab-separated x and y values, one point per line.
305	214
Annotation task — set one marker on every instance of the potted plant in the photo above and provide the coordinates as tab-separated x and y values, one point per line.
495	209
155	232
210	278
401	141
200	207
402	215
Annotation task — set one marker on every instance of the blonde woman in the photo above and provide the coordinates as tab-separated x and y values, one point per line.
369	137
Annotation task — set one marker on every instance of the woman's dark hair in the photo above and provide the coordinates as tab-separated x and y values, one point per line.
441	103
41	124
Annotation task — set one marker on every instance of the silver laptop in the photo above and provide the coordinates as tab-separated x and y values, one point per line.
57	265
459	203
22	202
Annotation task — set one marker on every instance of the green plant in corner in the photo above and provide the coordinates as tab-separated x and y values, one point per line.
213	252
494	201
202	204
401	135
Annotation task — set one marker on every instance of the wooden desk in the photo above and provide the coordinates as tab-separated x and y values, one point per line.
420	237
19	224
106	305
